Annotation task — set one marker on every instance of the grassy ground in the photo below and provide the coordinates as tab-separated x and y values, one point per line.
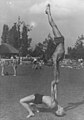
29	81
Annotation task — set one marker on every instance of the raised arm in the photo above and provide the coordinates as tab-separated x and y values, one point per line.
54	90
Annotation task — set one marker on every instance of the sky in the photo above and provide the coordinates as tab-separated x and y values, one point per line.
67	14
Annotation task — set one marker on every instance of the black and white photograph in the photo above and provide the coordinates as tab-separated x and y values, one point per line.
41	59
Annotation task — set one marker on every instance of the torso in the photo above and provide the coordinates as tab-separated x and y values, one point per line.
57	45
49	101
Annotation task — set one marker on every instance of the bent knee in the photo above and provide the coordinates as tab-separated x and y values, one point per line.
21	101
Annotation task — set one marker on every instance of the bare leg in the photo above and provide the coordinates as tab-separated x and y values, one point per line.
55	29
14	68
26	105
2	71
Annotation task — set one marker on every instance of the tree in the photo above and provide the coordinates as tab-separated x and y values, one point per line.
45	48
13	36
78	50
38	51
26	41
4	36
17	36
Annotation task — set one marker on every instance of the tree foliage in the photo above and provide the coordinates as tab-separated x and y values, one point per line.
13	37
17	38
5	32
78	50
44	49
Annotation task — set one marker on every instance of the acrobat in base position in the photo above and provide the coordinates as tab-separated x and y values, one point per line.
35	99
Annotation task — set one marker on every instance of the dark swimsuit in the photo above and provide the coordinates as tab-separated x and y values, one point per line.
59	40
38	98
52	46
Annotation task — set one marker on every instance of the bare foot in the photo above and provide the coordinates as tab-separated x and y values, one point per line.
30	115
47	9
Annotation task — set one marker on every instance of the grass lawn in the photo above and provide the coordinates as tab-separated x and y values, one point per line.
29	81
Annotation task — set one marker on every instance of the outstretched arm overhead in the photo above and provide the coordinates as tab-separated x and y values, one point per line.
55	29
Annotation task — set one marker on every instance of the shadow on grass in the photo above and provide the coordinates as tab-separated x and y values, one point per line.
73	105
68	107
47	110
